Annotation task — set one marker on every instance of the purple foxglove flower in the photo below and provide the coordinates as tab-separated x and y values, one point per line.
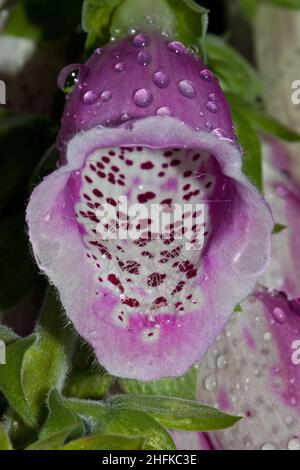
283	194
148	122
253	369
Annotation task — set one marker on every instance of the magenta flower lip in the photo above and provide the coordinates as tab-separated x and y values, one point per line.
149	306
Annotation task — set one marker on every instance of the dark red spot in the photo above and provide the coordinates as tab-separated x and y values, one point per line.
105	159
155	279
175	162
97	193
131	302
88	179
188	173
147	166
101	174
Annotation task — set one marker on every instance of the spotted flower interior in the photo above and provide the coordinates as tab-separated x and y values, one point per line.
153	272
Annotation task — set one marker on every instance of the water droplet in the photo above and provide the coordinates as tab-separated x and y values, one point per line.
220	133
144	58
206	75
212	107
177	47
208	125
105	95
268	446
89	97
141	40
193	49
187	89
212	96
222	362
98	51
210	383
294	444
279	315
120	67
161	79
164	111
267	336
47	217
143	97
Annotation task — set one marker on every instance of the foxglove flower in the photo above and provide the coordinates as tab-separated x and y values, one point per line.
147	121
253	369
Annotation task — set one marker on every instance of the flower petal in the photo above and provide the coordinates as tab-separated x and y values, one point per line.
283	195
253	369
227	269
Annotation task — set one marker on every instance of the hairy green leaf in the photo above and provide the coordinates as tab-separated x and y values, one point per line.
176	413
105	442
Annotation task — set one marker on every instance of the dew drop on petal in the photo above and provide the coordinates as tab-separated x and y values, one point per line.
210	383
120	67
268	446
141	40
212	107
294	444
89	97
161	79
187	89
222	362
98	51
206	75
143	97
164	111
279	315
144	58
47	217
105	95
177	47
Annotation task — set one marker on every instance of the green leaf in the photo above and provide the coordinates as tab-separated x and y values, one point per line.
261	120
236	75
61	425
278	228
10	379
7	335
176	413
87	379
181	387
128	423
251	146
105	442
18	272
105	19
60	418
43	19
96	20
5	443
47	361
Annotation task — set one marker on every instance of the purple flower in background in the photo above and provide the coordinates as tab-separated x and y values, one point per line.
253	369
282	192
147	122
